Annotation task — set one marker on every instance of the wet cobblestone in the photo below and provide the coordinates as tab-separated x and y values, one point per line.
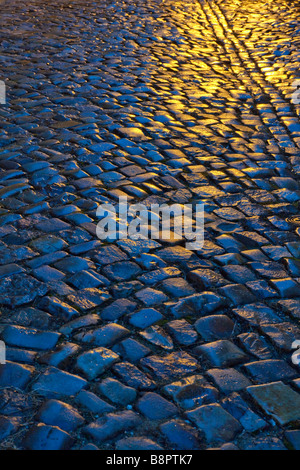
144	344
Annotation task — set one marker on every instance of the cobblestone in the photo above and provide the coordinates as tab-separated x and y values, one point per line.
145	344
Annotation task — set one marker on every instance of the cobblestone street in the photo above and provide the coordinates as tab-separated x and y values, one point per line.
146	345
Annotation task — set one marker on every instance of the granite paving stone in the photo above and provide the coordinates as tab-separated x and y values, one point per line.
170	366
93	403
30	338
192	391
95	362
8	426
218	425
265	443
55	383
277	400
270	371
149	344
293	437
155	407
105	336
137	443
112	425
228	380
215	327
15	375
59	414
61	355
222	353
131	350
180	435
133	376
44	437
182	332
250	421
282	335
117	392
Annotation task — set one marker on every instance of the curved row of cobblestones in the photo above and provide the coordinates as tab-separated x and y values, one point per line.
145	344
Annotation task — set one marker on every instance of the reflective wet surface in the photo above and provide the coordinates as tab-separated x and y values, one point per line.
147	345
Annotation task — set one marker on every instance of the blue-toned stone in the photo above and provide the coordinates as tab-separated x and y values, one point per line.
238	294
105	336
131	350
257	314
95	362
111	425
87	279
58	308
88	298
255	345
15	375
236	406
171	366
20	289
54	383
117	309
217	424
215	327
151	296
61	355
122	271
8	426
204	303
192	391
182	331
222	353
30	337
93	403
277	400
265	443
293	437
20	355
155	407
133	377
228	380
44	437
109	254
137	443
72	264
180	435
117	392
48	244
271	370
60	414
177	287
145	317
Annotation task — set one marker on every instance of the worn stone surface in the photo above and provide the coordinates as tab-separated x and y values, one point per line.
155	407
161	102
180	435
217	424
137	443
117	392
95	362
278	400
44	437
112	425
57	413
